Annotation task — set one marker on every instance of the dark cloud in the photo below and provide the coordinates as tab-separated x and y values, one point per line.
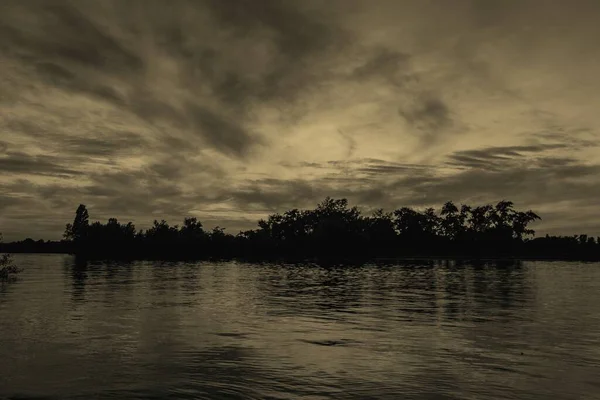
21	163
249	51
23	126
557	162
98	51
274	195
305	164
533	182
379	167
542	180
133	195
393	66
105	92
385	169
369	166
517	13
576	138
498	158
491	13
137	195
295	31
75	39
350	142
82	144
55	74
516	172
8	201
299	42
155	191
108	145
222	133
151	109
429	114
278	195
421	109
76	81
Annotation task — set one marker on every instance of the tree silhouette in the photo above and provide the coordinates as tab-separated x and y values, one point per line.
78	229
332	229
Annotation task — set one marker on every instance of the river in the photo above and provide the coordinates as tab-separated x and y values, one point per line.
410	330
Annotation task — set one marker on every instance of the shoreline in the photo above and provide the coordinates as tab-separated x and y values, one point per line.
341	259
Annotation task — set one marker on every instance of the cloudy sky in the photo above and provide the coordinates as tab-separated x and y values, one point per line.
229	110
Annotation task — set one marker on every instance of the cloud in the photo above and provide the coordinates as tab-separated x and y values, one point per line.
350	141
134	193
429	114
392	66
296	32
222	133
102	147
93	54
229	110
500	157
272	195
388	168
76	39
543	181
505	173
270	53
21	163
54	73
7	201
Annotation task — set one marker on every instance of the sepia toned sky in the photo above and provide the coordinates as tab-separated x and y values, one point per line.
229	110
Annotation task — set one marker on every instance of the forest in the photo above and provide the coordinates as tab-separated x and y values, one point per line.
332	229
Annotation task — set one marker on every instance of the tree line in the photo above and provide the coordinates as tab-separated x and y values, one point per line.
334	229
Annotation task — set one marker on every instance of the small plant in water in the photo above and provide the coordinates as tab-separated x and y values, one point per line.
7	268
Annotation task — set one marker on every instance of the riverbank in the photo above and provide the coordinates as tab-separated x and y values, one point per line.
327	259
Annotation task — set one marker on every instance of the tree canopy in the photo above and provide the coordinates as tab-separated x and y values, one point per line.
332	229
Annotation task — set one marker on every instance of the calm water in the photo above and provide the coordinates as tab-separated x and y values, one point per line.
238	331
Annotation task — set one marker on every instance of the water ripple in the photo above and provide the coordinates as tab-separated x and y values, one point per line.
238	331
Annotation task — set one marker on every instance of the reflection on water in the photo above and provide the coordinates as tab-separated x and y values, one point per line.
421	330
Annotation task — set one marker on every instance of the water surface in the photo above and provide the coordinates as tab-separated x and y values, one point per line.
428	330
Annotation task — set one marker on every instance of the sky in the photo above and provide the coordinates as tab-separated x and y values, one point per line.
231	110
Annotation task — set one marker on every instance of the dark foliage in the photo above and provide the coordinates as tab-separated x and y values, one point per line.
332	230
7	267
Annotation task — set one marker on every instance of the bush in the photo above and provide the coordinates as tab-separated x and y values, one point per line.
7	268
